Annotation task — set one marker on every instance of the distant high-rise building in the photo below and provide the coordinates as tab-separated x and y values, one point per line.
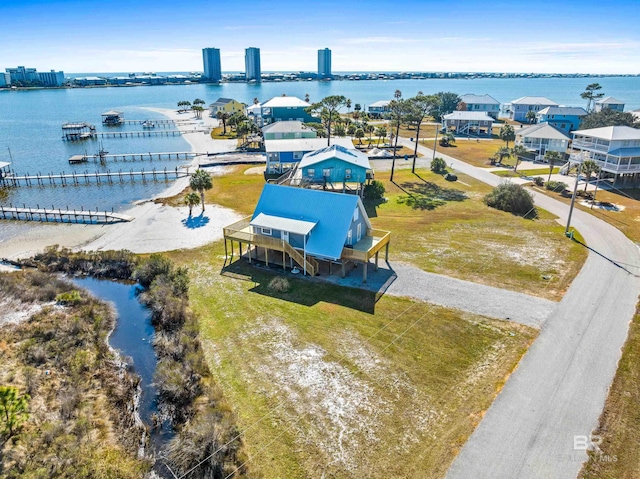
22	75
211	60
324	63
252	64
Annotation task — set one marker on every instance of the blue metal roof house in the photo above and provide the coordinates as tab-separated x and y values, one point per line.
310	227
333	165
564	118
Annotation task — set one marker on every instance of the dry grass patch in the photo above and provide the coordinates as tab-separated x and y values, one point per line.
325	379
627	220
456	234
476	153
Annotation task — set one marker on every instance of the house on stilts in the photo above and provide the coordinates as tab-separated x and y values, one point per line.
310	230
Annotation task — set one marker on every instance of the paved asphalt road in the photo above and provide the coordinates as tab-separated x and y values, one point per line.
560	386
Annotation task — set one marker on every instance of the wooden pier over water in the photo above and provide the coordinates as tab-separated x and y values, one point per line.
173	155
96	178
58	215
137	134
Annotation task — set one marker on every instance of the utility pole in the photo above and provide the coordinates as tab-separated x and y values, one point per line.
573	200
434	144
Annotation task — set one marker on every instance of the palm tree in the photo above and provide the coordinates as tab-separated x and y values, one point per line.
200	181
381	133
192	199
360	135
531	116
507	134
502	153
518	151
348	105
589	167
223	116
198	111
369	129
552	157
198	101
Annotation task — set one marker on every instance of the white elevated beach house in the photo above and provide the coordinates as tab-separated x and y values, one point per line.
616	150
541	138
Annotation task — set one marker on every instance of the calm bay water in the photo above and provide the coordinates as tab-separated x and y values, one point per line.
30	123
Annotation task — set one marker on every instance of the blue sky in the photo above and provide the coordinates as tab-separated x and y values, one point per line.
402	35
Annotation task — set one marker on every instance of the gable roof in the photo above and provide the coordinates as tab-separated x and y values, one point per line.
285	101
611	133
381	103
4	164
285	127
533	100
481	99
542	130
303	144
350	156
468	115
332	214
563	110
609	100
112	113
283	224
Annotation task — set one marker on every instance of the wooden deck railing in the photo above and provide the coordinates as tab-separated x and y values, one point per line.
381	239
238	232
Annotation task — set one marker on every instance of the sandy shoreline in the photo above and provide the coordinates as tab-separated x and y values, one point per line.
155	227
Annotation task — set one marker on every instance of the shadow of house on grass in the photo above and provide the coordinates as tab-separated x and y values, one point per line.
310	291
427	195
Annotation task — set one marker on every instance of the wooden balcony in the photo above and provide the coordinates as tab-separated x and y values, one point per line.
367	247
241	232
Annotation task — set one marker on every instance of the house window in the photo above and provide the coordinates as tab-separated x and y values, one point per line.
347	173
356	215
326	172
359	231
266	231
349	238
311	172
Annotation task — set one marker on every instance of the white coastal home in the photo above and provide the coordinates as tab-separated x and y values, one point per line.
616	150
471	123
541	138
519	108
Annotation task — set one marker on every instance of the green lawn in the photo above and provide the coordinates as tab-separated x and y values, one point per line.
542	172
325	379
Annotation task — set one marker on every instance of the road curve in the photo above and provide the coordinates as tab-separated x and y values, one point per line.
559	388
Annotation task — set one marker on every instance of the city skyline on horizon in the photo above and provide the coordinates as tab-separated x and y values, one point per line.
155	36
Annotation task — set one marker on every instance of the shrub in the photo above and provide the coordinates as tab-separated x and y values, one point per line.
451	177
557	186
156	265
69	298
280	284
438	165
374	190
538	181
512	198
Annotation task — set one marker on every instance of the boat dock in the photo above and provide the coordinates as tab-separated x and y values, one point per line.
161	123
140	133
97	178
174	155
58	215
